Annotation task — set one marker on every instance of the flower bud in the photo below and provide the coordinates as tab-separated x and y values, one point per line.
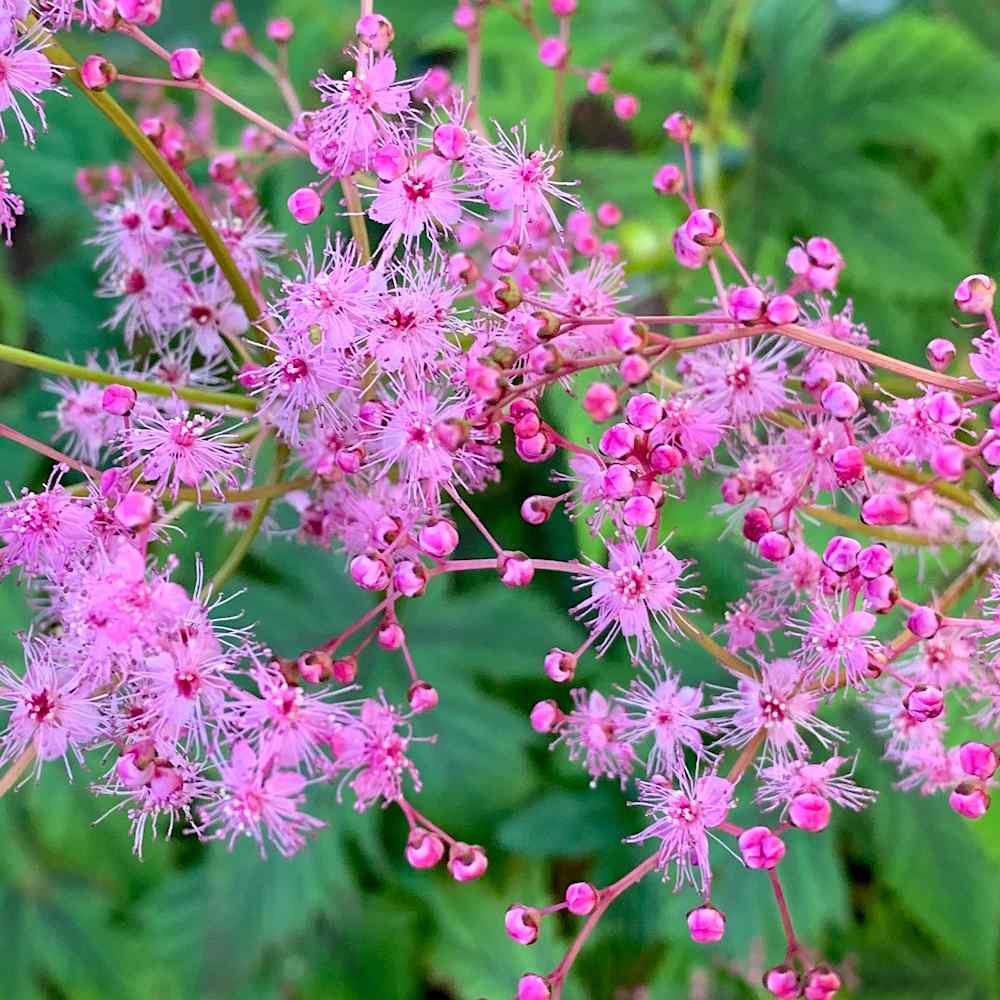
665	458
782	309
438	539
626	106
969	800
618	441
553	52
923	702
223	14
818	262
409	578
506	257
706	924
144	12
516	569
782	981
818	376
389	162
136	764
506	295
545	716
874	560
466	861
581	898
185	64
521	924
775	546
96	72
559	665
639	512
924	622
562	8
668	179
608	214
644	411
705	228
118	400
634	369
975	294
280	30
315	666
597	82
390	635
678	126
423	849
369	573
600	402
882	593
761	848
376	31
305	204
841	554
135	510
840	400
422	697
746	304
948	462
810	812
236	39
532	987
345	669
538	509
885	509
756	524
450	141
940	353
733	491
537	448
820	983
978	760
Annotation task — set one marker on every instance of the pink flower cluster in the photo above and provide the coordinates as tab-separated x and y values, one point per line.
367	396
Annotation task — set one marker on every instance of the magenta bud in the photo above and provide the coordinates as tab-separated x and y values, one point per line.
818	376
639	512
969	800
135	766
562	8
581	898
608	214
746	304
782	981
118	400
733	491
305	205
678	126
369	573
626	106
280	30
618	441
521	924
874	560
466	862
143	12
782	309
422	697
948	462
376	31
532	987
644	411
820	983
135	510
538	448
389	162
553	52
438	539
840	400
761	848
978	760
390	635
423	849
975	294
882	593
506	257
885	509
634	369
600	402
668	179
756	524
775	546
810	812
545	716
345	669
617	483
223	13
940	353
96	72
409	578
450	141
236	39
665	458
515	569
706	924
841	554
704	227
538	509
560	665
924	622
597	82
849	465
923	702
185	64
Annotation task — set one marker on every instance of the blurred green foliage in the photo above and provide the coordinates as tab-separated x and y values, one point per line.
874	122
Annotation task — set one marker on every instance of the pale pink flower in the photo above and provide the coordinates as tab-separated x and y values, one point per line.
596	733
25	72
422	200
836	645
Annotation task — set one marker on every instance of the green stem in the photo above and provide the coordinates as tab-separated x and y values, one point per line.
242	546
731	662
117	115
43	363
268	491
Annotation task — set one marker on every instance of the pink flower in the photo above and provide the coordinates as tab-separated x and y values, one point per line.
596	733
421	200
25	73
836	646
782	783
11	205
667	711
183	450
637	590
256	802
682	816
50	709
817	262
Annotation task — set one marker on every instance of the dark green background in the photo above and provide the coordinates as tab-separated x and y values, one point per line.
875	123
